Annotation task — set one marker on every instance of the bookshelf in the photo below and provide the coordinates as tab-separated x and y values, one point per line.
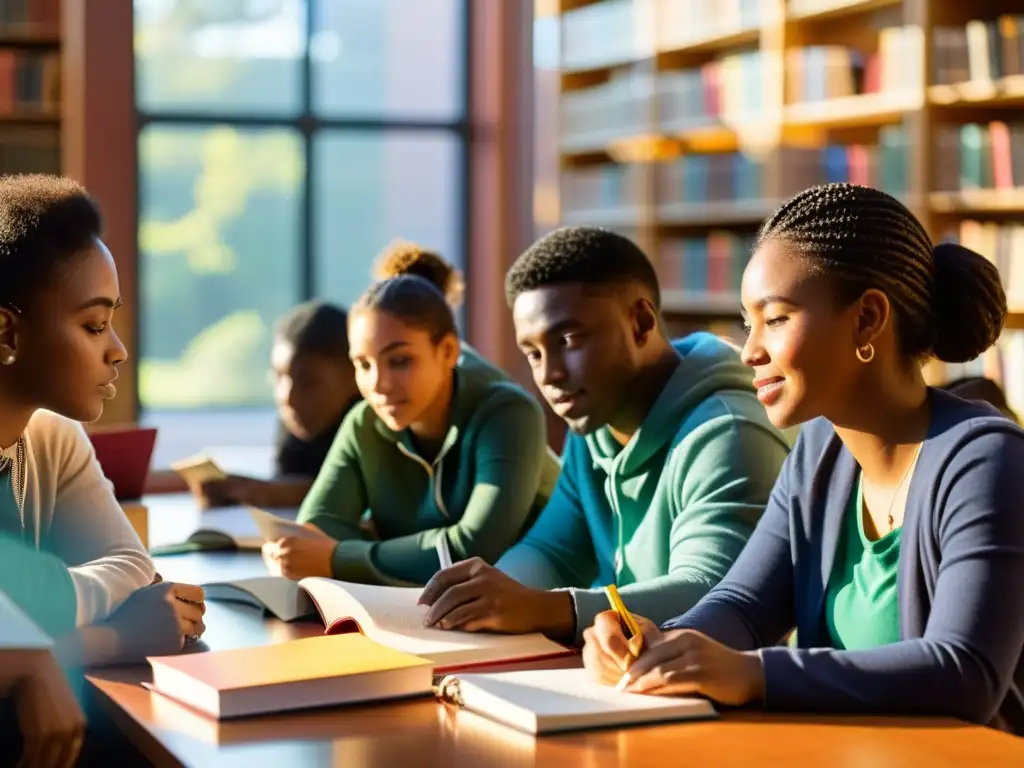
30	86
684	123
67	106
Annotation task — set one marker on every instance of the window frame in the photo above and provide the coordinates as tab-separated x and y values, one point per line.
308	124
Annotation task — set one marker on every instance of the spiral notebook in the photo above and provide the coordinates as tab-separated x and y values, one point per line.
553	700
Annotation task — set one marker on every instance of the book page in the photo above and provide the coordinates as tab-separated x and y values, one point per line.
198	470
273	527
281	596
391	616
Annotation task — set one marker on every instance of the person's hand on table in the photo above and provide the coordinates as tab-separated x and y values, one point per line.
234	489
474	596
675	663
50	719
298	557
157	620
606	655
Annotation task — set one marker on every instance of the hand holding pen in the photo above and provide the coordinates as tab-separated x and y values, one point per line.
616	640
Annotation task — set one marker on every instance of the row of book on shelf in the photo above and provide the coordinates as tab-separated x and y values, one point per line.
625	30
980	50
693	179
735	88
819	72
29	81
978	156
30	149
710	267
30	15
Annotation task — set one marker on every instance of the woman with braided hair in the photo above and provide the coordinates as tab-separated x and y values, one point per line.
893	540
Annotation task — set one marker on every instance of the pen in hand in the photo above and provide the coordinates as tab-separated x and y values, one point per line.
444	555
634	637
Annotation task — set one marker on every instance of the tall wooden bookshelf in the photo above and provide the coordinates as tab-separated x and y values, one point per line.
67	105
685	122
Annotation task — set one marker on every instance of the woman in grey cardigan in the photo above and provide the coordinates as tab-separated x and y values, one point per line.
894	539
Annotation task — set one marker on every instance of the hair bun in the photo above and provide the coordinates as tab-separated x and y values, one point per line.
403	257
969	303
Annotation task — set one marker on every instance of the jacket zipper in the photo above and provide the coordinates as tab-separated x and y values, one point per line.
434	481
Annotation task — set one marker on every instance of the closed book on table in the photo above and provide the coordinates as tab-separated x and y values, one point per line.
554	700
314	672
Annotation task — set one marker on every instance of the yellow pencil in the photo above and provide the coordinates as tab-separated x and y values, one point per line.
634	638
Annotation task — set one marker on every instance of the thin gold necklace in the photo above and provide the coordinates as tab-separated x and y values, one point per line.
895	495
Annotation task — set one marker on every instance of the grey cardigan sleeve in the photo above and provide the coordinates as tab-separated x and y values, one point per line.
965	661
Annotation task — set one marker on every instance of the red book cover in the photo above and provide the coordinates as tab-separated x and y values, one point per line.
1002	160
857	162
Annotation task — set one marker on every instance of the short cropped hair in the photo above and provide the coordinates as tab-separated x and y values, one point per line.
44	222
315	327
586	255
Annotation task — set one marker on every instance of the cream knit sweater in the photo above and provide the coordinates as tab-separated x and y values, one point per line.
70	508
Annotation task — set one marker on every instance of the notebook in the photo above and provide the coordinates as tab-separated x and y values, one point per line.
124	454
388	615
553	700
314	672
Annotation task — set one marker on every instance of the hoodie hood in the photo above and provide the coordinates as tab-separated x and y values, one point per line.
708	365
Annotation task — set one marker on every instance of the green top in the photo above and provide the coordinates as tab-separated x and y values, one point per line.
482	490
37	582
862	604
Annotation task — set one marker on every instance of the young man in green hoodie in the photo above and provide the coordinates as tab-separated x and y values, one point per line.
667	470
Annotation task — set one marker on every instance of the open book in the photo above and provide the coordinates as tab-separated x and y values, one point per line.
550	700
388	615
238	528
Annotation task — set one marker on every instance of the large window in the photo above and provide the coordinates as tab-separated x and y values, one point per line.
282	145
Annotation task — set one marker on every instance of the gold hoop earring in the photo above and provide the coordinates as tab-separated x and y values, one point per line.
868	355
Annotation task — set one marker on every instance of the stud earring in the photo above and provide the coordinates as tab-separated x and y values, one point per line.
866	353
7	357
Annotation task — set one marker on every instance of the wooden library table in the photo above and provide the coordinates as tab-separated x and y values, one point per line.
423	733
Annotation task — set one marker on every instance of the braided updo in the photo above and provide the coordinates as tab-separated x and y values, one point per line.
948	300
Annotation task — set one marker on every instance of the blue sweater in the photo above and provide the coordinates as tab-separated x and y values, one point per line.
961	571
